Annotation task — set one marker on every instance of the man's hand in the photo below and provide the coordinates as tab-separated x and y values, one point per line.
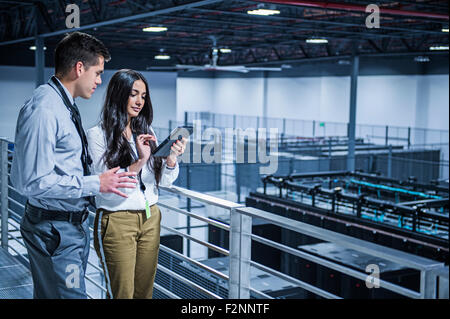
110	181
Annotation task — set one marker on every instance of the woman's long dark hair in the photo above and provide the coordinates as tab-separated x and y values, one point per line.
114	120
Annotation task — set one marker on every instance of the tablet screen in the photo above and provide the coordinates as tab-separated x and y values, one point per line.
163	149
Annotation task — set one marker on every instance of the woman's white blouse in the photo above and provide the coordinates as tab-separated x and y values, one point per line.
136	199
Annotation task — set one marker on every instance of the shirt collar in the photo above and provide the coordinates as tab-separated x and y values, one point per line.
71	99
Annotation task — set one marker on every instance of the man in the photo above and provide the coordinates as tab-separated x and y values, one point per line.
51	168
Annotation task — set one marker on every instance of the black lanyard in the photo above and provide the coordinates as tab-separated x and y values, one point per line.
76	119
136	157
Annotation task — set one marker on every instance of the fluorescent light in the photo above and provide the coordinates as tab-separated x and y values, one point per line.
421	58
344	62
263	12
162	57
316	40
439	48
154	29
444	30
33	48
225	50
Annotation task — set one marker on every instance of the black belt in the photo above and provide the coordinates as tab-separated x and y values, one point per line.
45	214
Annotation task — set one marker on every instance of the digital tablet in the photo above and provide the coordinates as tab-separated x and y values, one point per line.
163	149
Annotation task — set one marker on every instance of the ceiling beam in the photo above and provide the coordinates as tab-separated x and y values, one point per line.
95	11
359	8
43	10
375	46
118	20
339	57
326	22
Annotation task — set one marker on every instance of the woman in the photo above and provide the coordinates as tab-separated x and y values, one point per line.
127	230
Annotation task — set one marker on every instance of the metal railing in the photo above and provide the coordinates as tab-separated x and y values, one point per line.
382	134
240	246
398	144
377	134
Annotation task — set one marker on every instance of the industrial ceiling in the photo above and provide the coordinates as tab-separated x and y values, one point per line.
194	27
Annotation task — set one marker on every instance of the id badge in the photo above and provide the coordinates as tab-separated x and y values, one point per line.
148	213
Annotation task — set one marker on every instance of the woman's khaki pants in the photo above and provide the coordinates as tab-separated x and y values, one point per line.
127	246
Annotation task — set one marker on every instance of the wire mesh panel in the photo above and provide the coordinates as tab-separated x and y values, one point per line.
223	120
191	272
298	128
15	278
200	177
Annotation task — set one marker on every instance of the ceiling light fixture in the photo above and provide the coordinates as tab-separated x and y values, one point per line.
422	59
33	48
162	57
344	62
154	29
263	12
317	40
439	48
445	30
225	50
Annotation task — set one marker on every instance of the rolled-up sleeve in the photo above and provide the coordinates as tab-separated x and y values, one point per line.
168	174
33	172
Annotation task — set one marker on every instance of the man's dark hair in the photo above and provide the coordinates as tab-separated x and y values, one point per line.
78	46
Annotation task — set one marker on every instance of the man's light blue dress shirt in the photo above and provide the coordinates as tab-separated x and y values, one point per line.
47	164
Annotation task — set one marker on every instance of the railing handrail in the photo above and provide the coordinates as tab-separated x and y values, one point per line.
427	266
319	121
407	259
207	199
5	139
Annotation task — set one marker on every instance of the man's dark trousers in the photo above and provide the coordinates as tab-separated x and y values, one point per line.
58	254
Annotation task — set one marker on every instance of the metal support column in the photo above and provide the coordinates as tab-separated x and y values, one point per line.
314	129
240	254
409	137
265	105
389	163
427	285
386	136
238	181
39	61
188	208
352	119
4	190
39	55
